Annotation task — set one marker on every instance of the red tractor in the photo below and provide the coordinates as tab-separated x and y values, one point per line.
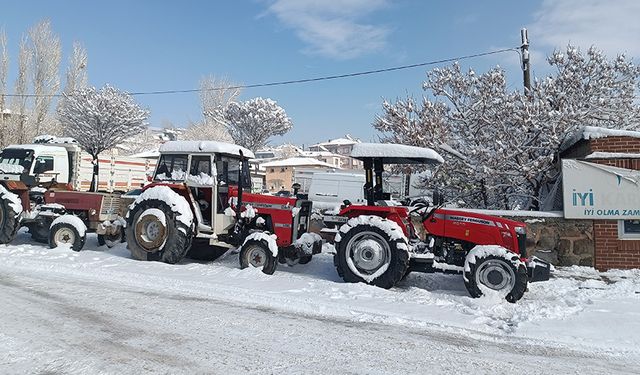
380	243
198	205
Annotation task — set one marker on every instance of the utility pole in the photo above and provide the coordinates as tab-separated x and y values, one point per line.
526	65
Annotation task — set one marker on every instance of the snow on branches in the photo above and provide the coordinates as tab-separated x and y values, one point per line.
504	142
101	119
253	122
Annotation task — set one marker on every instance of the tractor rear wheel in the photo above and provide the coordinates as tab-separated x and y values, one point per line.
9	222
502	273
367	253
155	233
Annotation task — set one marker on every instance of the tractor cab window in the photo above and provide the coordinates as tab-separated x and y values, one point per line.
200	170
228	169
171	168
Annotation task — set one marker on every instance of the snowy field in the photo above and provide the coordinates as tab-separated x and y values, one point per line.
98	311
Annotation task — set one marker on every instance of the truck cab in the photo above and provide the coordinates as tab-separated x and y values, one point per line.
35	163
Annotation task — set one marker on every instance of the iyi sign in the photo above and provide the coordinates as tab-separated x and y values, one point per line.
595	191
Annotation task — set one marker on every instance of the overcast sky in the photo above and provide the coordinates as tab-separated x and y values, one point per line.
164	45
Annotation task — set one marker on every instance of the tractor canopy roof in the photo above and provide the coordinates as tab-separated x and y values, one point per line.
204	147
391	153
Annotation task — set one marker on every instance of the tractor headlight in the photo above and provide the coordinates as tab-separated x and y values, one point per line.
521	230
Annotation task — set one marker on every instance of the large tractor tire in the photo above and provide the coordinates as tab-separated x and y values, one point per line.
257	252
366	252
155	233
9	222
496	270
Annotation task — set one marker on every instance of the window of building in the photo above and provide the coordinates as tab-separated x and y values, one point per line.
281	170
272	170
629	229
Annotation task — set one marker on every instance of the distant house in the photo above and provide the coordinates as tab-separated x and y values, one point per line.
338	148
280	173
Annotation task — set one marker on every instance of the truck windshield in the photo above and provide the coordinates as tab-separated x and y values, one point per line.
20	158
172	168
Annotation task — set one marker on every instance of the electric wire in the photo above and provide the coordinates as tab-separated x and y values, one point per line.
303	80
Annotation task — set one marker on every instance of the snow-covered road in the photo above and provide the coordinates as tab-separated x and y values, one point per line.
98	311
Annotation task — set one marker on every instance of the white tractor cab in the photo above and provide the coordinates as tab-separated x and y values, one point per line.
200	205
207	169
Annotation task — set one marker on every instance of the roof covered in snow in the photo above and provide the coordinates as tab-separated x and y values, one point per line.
205	147
612	155
295	162
150	154
594	132
396	154
347	140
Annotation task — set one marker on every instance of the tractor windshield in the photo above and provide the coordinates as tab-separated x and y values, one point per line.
172	168
15	160
228	169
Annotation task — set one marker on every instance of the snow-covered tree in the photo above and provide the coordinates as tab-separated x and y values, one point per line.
215	96
22	133
77	69
101	119
46	54
253	122
4	68
499	145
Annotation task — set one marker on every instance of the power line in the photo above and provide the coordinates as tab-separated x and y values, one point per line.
304	80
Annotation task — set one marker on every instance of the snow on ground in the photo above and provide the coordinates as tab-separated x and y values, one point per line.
99	311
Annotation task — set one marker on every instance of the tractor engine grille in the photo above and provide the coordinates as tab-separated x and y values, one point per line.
110	205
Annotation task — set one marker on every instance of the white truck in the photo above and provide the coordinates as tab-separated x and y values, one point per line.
330	189
44	187
65	163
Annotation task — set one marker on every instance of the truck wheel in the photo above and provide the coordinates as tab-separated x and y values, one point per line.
256	253
500	273
110	240
9	222
65	234
366	253
154	233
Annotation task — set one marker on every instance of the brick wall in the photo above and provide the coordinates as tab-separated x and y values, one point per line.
615	144
611	252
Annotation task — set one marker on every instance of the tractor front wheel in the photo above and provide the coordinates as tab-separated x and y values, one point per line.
66	234
256	253
501	273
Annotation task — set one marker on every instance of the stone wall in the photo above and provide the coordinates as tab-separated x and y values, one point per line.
560	241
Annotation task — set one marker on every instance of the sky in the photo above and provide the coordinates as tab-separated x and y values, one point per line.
140	46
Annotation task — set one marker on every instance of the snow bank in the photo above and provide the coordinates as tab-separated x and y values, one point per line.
74	221
270	239
176	202
14	200
11	168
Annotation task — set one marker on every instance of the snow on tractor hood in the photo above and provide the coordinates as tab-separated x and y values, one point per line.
194	147
396	154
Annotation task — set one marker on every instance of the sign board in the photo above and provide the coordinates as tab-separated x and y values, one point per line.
596	191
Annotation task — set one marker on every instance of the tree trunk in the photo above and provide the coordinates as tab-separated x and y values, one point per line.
94	178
